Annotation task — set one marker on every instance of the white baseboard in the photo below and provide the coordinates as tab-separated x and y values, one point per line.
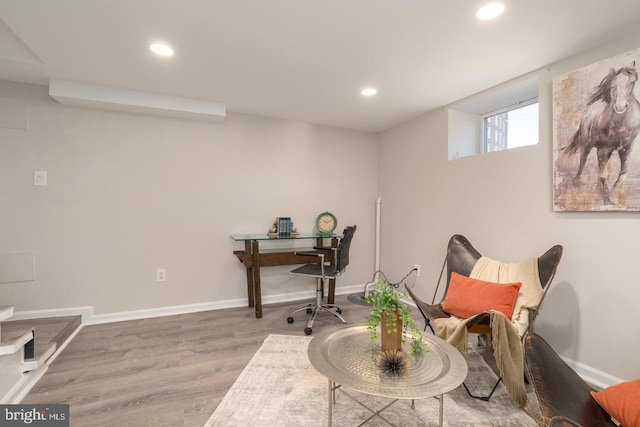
63	346
85	312
348	290
592	375
308	294
214	305
88	318
164	311
25	385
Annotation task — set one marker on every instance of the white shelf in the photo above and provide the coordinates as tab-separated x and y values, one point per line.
6	312
16	345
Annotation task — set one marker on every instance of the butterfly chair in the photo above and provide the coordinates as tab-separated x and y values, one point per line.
321	272
563	397
461	258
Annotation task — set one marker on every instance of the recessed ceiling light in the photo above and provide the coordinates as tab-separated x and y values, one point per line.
369	91
161	49
490	11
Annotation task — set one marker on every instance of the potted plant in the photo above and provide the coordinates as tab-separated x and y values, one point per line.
393	317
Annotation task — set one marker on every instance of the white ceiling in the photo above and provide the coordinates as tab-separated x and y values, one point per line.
302	59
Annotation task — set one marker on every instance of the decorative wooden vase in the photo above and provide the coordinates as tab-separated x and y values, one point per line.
392	341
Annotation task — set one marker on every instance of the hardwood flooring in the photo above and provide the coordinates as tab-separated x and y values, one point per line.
169	371
166	371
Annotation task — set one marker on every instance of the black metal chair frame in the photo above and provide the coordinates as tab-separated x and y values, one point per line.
461	257
321	272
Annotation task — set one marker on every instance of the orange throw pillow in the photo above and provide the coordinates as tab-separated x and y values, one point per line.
467	297
621	401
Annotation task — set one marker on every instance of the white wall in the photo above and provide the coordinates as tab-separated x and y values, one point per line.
503	203
464	138
130	193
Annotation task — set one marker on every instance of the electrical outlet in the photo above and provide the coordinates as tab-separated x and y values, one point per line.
161	275
417	267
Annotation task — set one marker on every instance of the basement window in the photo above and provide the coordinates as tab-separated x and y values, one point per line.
510	127
495	120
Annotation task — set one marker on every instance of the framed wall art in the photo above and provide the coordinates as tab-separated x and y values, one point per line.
596	121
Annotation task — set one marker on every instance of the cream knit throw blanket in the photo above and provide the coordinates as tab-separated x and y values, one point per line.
505	335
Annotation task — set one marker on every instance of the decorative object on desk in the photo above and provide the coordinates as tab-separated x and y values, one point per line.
283	226
393	362
393	316
326	223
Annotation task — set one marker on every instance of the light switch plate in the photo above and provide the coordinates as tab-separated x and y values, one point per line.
40	178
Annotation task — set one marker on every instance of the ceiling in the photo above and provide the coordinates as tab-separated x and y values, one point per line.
303	60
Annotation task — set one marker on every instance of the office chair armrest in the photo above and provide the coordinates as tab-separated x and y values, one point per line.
311	254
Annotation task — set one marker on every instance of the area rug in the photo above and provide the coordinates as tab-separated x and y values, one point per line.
280	388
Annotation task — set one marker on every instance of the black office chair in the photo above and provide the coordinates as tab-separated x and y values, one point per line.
322	272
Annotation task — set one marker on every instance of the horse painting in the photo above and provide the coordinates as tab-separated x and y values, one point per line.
610	122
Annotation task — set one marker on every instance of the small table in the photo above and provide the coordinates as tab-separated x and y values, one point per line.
253	258
347	357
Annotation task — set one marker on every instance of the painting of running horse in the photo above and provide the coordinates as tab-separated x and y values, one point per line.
596	110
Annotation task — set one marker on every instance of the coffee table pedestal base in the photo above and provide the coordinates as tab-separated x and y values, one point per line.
332	399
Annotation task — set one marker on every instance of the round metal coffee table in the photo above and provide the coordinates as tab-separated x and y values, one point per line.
347	357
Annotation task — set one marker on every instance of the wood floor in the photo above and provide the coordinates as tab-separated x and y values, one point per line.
167	371
170	371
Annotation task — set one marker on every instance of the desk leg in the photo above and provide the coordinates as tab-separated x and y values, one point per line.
331	298
250	297
331	397
257	289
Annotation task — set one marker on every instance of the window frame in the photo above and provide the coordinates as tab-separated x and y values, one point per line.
465	118
484	120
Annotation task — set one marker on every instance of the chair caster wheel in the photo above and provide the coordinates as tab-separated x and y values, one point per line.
309	310
289	320
307	331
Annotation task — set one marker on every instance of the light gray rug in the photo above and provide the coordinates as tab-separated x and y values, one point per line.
280	388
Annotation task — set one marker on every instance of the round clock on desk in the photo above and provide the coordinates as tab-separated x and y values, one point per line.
326	223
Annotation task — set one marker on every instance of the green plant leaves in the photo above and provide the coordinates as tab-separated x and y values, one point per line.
385	299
